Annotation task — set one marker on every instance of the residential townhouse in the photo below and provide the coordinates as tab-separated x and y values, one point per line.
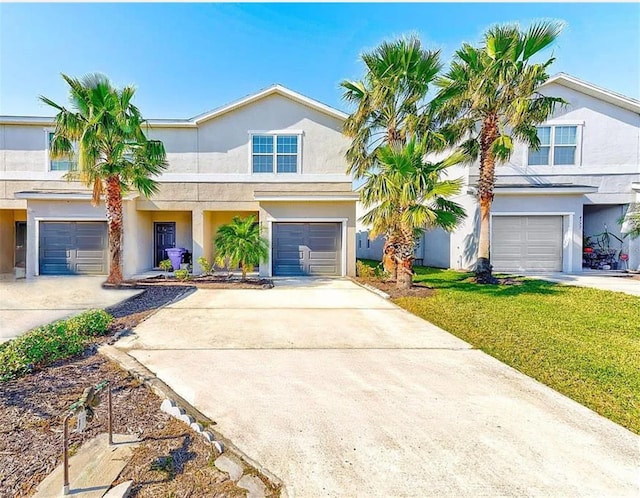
275	154
547	202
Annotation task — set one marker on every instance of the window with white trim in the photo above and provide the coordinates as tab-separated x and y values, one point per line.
64	163
558	146
279	150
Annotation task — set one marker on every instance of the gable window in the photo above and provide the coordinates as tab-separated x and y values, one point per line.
279	152
558	146
63	163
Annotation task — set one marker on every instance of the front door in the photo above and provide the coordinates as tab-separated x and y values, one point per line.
21	244
164	238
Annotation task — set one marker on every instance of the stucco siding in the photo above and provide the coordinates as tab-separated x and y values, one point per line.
224	142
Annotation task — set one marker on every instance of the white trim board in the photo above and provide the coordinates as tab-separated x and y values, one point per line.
343	221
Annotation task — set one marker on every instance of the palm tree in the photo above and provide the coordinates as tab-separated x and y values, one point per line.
406	194
490	97
239	243
114	155
388	104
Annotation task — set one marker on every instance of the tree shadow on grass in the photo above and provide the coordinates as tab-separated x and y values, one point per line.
462	282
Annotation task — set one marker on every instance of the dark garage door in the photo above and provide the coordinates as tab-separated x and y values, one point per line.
306	249
73	247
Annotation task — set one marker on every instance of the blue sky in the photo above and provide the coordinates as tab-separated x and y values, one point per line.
189	58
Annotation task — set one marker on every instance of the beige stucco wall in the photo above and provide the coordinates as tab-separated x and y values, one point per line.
224	142
315	211
7	240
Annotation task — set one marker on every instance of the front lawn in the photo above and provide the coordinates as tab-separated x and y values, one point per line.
584	343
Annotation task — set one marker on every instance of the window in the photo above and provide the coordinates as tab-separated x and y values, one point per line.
62	164
279	150
558	146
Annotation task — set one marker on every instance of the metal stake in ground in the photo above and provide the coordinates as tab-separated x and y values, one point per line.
84	410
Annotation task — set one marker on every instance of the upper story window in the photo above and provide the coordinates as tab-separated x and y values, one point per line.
275	151
558	146
61	164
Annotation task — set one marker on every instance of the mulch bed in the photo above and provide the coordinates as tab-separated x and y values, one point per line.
203	282
418	289
171	461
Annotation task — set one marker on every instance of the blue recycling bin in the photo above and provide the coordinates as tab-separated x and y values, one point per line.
175	255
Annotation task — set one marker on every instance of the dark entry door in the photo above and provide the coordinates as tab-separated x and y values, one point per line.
21	244
164	238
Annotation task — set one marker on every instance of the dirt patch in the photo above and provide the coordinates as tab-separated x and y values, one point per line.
171	461
202	282
417	290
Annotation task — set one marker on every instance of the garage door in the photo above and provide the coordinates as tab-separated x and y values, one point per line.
521	243
73	247
306	248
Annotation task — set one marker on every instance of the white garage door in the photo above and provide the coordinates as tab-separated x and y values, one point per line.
526	243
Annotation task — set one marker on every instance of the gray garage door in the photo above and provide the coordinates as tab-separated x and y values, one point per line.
522	243
306	248
73	247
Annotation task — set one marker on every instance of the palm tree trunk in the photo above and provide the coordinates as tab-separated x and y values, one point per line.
244	271
486	183
114	223
389	258
404	259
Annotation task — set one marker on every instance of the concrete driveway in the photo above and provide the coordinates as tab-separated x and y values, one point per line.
340	393
610	282
25	304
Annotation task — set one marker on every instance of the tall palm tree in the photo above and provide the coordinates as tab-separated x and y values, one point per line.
490	97
114	155
240	243
389	100
406	195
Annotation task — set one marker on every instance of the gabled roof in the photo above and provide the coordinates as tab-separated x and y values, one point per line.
201	118
272	90
614	98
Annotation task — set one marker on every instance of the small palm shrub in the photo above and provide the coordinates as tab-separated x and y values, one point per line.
240	243
365	271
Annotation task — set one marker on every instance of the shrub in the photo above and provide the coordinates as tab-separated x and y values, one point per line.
182	275
363	270
43	345
205	265
165	265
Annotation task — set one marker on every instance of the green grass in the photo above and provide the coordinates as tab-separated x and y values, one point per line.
584	343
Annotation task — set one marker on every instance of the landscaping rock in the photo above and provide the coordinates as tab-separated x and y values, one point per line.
187	419
167	405
122	490
231	465
218	446
254	486
197	427
176	412
208	437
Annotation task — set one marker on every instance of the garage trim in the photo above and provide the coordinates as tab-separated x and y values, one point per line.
55	218
343	234
567	236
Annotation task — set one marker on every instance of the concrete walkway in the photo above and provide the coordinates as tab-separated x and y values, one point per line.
340	393
28	303
611	282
